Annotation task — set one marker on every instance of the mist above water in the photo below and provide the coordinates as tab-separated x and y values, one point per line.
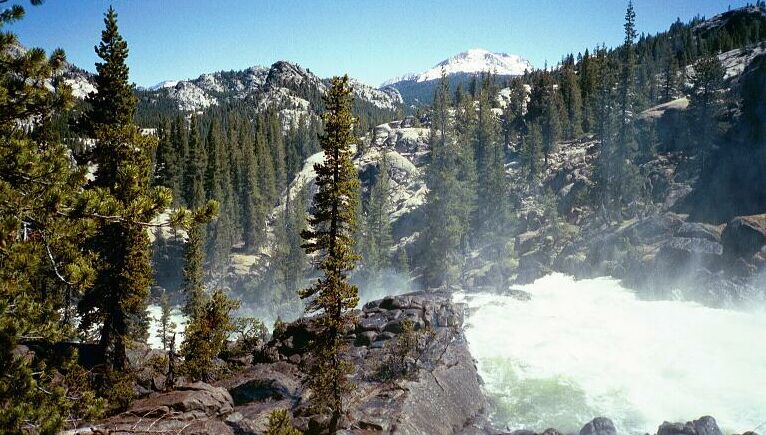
582	349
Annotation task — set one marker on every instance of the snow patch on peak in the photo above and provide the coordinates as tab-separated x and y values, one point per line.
164	84
473	61
478	60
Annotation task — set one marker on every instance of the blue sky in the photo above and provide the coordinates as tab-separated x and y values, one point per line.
368	39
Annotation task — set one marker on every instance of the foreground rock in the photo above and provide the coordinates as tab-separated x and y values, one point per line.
196	408
599	426
432	388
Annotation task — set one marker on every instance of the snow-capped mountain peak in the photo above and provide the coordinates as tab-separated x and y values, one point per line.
164	84
473	61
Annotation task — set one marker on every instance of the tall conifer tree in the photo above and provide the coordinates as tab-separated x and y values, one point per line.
491	206
331	235
451	194
117	302
194	168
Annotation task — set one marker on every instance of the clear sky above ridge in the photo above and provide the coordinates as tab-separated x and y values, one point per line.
368	39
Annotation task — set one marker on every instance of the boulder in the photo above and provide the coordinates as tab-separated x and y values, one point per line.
527	241
371	323
365	338
682	252
196	408
702	426
599	426
197	400
653	228
273	382
533	265
744	236
519	295
696	230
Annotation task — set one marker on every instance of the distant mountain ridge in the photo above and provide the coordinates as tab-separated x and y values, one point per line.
417	89
473	61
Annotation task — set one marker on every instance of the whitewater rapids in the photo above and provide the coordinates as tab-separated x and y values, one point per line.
588	348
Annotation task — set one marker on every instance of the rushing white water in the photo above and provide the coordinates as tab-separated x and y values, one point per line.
582	349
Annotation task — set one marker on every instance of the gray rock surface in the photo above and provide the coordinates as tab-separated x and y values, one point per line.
599	426
702	426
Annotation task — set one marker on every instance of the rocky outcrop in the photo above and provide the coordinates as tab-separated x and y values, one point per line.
196	408
433	387
444	393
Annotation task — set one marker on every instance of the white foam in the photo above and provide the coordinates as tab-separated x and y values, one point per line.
581	349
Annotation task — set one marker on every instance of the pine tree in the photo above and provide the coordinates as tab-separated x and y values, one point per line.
331	235
180	147
289	258
267	179
377	240
213	170
45	213
450	200
194	272
275	139
167	160
491	207
572	97
669	78
167	326
114	103
249	196
588	86
616	176
514	115
117	302
625	146
206	335
532	155
551	121
707	82
402	261
194	169
296	258
218	188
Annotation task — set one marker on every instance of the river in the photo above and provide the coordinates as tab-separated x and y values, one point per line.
581	349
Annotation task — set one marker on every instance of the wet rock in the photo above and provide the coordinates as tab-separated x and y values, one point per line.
695	230
702	426
653	228
527	241
682	252
519	295
533	265
599	426
744	236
